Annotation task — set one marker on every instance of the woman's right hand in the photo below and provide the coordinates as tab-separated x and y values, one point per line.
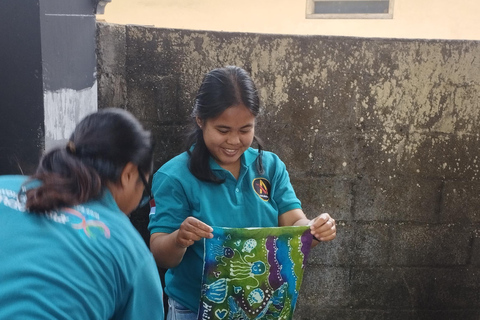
192	230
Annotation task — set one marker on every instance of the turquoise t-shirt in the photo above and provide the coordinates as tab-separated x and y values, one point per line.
84	262
254	200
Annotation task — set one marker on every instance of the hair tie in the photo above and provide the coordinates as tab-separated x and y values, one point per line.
71	147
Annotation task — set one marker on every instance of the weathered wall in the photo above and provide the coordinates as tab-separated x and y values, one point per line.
383	134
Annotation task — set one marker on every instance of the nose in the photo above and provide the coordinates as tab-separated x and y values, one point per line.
233	138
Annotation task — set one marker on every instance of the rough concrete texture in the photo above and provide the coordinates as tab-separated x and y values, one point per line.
384	134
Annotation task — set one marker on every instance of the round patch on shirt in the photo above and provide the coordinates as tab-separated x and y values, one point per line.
262	188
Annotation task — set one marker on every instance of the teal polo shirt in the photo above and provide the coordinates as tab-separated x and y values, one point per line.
83	262
254	200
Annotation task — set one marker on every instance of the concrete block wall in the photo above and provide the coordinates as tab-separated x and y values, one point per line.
384	134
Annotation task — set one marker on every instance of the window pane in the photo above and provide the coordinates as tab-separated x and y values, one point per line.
349	7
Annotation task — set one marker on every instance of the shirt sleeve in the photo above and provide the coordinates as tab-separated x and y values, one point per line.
171	204
283	193
144	299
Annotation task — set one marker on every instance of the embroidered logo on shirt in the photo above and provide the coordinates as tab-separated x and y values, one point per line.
87	225
262	188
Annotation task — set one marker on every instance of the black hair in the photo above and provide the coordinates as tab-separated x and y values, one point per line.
98	150
221	88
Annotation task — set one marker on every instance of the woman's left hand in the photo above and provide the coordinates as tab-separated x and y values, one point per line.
323	227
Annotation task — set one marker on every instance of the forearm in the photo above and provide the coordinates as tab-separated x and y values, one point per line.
165	249
301	222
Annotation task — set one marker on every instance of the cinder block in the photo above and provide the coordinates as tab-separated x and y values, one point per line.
397	198
335	154
466	97
314	312
475	251
290	143
325	194
415	288
379	153
443	155
430	245
461	202
326	287
466	314
156	98
454	288
338	252
384	288
371	244
310	312
149	51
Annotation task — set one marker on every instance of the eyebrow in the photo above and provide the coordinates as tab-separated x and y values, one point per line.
227	127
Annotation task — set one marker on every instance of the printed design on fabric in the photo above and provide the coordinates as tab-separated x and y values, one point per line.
262	188
17	202
87	225
253	273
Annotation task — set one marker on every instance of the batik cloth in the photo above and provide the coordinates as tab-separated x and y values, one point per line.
253	273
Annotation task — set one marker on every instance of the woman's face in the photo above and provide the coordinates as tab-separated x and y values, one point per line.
137	195
132	188
229	135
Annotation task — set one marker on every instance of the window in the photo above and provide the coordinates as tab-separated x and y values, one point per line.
350	9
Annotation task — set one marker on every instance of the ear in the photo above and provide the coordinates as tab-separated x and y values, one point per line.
199	122
129	173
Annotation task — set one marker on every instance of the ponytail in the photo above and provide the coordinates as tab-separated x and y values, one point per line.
66	181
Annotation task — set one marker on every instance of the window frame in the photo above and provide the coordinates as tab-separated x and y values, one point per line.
311	15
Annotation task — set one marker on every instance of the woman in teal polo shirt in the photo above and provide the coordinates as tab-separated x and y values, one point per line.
219	181
68	249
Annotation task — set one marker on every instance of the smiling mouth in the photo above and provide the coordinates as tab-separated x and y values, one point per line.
230	151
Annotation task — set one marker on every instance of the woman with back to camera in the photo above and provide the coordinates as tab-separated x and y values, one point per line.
211	185
68	248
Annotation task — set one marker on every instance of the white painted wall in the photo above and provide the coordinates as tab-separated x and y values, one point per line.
63	111
426	19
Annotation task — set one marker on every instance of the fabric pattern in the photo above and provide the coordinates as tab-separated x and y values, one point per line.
253	273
